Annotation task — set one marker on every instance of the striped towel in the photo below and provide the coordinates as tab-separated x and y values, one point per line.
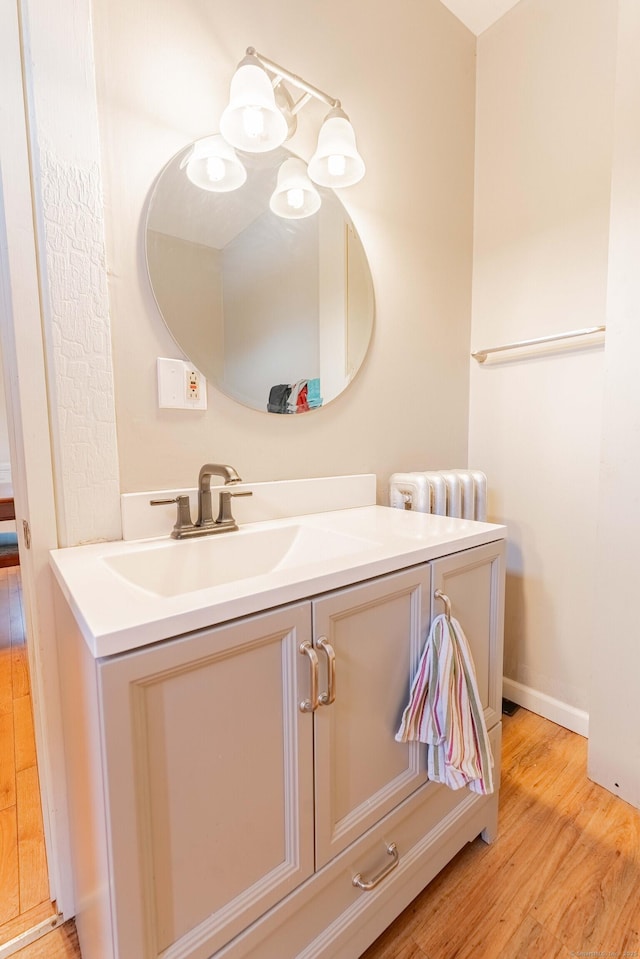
445	711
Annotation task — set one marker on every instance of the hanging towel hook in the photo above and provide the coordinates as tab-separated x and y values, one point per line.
447	602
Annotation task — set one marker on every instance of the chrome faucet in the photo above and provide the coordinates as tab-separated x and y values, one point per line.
205	523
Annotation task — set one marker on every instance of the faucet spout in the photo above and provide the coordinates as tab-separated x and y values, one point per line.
230	476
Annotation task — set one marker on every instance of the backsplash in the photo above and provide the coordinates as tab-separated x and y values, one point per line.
270	500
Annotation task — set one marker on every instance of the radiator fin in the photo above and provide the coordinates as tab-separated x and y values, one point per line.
461	493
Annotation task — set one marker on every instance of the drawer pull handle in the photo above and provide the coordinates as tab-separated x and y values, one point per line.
368	884
327	698
309	705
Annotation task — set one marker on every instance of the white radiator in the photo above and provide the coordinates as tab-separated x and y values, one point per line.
461	493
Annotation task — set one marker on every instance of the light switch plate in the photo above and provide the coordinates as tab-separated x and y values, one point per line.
180	386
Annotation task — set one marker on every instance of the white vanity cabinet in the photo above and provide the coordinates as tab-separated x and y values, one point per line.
227	786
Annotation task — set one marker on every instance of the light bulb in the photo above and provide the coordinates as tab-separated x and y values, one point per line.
295	198
253	122
211	164
337	164
216	169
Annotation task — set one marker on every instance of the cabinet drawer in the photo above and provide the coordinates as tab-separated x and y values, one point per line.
329	918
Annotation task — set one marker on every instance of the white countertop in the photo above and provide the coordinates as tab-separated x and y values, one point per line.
115	616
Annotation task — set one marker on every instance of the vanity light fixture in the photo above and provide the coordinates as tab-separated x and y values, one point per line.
262	114
214	165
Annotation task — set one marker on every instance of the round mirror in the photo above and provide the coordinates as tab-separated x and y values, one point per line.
276	312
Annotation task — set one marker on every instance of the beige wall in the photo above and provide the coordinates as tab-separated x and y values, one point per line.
406	76
543	171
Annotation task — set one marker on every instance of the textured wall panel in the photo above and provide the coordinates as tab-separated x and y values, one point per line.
83	415
67	189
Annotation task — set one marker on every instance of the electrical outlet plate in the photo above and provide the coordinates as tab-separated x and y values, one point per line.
180	386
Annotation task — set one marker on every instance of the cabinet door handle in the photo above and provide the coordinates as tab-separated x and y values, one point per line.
309	705
368	884
447	602
327	698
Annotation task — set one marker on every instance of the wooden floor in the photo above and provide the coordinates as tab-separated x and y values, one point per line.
561	880
24	889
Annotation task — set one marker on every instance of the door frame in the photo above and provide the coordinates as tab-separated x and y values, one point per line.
24	363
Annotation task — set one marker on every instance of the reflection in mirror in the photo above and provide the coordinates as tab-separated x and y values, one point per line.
277	313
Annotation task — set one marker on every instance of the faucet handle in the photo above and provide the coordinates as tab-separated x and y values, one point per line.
183	519
224	514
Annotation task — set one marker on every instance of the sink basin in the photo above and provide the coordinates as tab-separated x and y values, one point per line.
172	568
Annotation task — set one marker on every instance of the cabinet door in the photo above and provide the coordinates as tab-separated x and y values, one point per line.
474	582
376	631
209	771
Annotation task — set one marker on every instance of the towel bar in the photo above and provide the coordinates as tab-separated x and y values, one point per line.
481	355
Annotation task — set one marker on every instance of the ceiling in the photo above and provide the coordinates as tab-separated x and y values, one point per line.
479	14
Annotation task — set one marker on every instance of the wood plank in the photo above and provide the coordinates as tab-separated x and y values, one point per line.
396	941
25	743
7	760
532	939
601	868
9	878
491	909
408	949
24	895
62	943
480	919
20	671
6	681
563	876
6	690
34	884
26	920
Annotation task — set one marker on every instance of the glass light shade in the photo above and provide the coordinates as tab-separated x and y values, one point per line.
252	122
295	195
336	162
213	165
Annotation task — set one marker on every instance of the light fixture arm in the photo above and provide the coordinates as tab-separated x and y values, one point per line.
281	74
298	105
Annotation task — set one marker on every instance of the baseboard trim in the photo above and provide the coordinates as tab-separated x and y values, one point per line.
577	720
